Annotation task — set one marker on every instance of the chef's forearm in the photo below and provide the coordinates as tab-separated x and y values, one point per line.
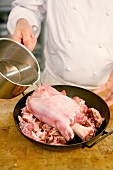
28	11
15	15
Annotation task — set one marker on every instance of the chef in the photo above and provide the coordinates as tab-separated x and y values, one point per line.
79	46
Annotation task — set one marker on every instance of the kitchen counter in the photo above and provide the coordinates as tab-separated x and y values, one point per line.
17	153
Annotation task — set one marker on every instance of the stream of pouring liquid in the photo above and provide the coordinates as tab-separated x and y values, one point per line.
39	86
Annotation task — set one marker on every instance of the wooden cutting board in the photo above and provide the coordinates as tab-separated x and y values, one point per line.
17	153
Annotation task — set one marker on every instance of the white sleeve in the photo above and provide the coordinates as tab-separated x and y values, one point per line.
33	11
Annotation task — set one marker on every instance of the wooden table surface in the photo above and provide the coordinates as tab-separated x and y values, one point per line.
17	153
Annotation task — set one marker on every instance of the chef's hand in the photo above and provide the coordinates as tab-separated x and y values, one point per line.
108	87
24	34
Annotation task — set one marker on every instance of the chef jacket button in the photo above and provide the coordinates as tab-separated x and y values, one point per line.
68	68
69	40
100	45
74	8
94	73
108	12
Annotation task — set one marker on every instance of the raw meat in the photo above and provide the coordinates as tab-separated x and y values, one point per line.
69	116
39	131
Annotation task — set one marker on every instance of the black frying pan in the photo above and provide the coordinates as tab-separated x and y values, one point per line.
92	100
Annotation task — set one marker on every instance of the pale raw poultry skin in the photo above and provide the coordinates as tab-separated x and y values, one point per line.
59	111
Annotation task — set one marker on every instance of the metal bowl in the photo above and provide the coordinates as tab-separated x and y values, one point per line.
19	68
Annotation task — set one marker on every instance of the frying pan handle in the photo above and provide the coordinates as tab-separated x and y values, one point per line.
104	135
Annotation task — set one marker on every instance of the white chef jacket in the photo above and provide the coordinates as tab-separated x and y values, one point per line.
79	46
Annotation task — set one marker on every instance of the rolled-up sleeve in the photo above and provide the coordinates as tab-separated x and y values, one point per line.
33	11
